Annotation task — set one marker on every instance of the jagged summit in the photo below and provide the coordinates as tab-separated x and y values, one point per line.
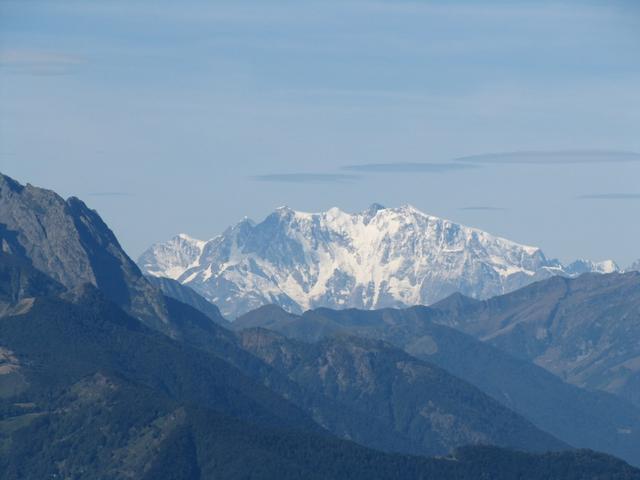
380	257
374	207
582	265
173	257
70	243
284	210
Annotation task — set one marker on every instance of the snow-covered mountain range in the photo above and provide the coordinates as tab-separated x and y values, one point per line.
381	257
634	267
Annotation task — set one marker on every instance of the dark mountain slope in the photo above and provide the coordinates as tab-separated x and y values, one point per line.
579	417
58	322
58	342
358	422
104	427
70	243
585	330
185	294
105	397
20	282
417	400
285	456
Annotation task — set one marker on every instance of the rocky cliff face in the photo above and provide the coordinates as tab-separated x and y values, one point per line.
70	243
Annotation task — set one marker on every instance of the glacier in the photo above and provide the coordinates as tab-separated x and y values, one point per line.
381	257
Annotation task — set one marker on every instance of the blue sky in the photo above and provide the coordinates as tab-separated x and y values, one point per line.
521	118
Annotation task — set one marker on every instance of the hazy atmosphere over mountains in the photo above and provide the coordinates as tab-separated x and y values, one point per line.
323	240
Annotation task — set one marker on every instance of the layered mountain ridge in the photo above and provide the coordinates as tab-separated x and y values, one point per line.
94	358
414	399
378	258
580	417
586	330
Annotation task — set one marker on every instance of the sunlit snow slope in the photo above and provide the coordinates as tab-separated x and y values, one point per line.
382	257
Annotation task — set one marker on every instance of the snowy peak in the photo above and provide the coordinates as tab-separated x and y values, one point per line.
374	208
371	212
584	266
171	258
380	257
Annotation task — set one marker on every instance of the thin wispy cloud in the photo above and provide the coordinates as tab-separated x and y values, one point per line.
483	208
33	62
610	196
409	167
365	94
306	178
559	157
